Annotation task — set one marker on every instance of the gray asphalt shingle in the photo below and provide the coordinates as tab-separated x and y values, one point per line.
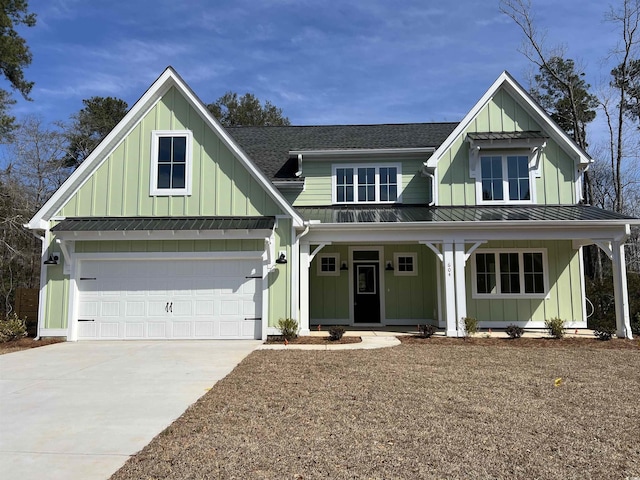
269	147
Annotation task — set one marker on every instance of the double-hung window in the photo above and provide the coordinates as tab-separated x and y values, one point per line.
171	163
366	184
510	273
505	179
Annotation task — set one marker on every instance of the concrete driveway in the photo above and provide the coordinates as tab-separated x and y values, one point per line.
79	410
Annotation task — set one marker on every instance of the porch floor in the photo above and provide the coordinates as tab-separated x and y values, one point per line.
397	331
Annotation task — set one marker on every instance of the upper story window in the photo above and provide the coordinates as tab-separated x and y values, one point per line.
171	163
505	178
366	183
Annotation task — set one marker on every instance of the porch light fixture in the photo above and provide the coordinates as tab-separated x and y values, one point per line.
344	266
282	258
389	266
52	260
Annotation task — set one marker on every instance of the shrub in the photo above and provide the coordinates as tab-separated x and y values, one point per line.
470	325
336	332
604	330
555	326
426	330
288	328
635	325
12	328
514	331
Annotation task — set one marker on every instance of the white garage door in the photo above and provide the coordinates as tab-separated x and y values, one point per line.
161	299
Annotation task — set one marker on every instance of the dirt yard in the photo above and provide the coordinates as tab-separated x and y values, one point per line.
25	343
428	409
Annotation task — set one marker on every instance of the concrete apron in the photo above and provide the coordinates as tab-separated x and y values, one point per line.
79	410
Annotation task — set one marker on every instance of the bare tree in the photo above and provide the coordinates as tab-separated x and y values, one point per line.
554	68
627	18
34	171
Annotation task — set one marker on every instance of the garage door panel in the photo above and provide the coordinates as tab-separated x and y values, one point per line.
156	329
229	328
204	329
181	329
170	299
204	307
109	330
135	309
182	308
134	330
110	309
87	329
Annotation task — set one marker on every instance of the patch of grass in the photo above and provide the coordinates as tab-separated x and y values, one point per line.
430	410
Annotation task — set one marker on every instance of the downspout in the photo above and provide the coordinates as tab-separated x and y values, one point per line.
296	290
426	171
43	273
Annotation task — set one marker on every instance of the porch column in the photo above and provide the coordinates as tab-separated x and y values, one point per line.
303	277
448	264
623	326
461	287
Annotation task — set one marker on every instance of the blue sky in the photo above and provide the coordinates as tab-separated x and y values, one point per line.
322	62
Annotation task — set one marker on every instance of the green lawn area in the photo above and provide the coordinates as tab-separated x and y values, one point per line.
443	409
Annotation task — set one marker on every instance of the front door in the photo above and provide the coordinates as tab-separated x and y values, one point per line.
366	297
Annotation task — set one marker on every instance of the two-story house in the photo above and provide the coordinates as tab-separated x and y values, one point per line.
176	227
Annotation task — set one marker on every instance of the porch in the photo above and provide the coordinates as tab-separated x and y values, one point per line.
409	265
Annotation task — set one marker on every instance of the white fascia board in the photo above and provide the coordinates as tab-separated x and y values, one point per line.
169	78
470	231
513	87
361	152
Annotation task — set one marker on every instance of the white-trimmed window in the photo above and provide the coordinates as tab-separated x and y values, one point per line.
171	162
406	264
366	183
328	265
505	178
510	273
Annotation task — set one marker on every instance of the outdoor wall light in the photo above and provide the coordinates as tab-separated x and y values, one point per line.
389	266
282	258
52	260
344	266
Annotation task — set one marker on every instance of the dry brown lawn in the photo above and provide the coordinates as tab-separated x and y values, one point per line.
444	409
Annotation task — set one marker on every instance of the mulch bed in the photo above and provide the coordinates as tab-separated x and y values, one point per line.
309	340
442	408
570	342
26	343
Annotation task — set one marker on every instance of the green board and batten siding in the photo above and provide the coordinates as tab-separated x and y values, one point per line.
221	186
407	298
564	299
317	173
503	113
120	186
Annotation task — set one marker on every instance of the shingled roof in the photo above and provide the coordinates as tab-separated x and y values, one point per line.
269	147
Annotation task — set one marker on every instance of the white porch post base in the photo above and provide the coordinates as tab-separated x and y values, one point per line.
623	325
